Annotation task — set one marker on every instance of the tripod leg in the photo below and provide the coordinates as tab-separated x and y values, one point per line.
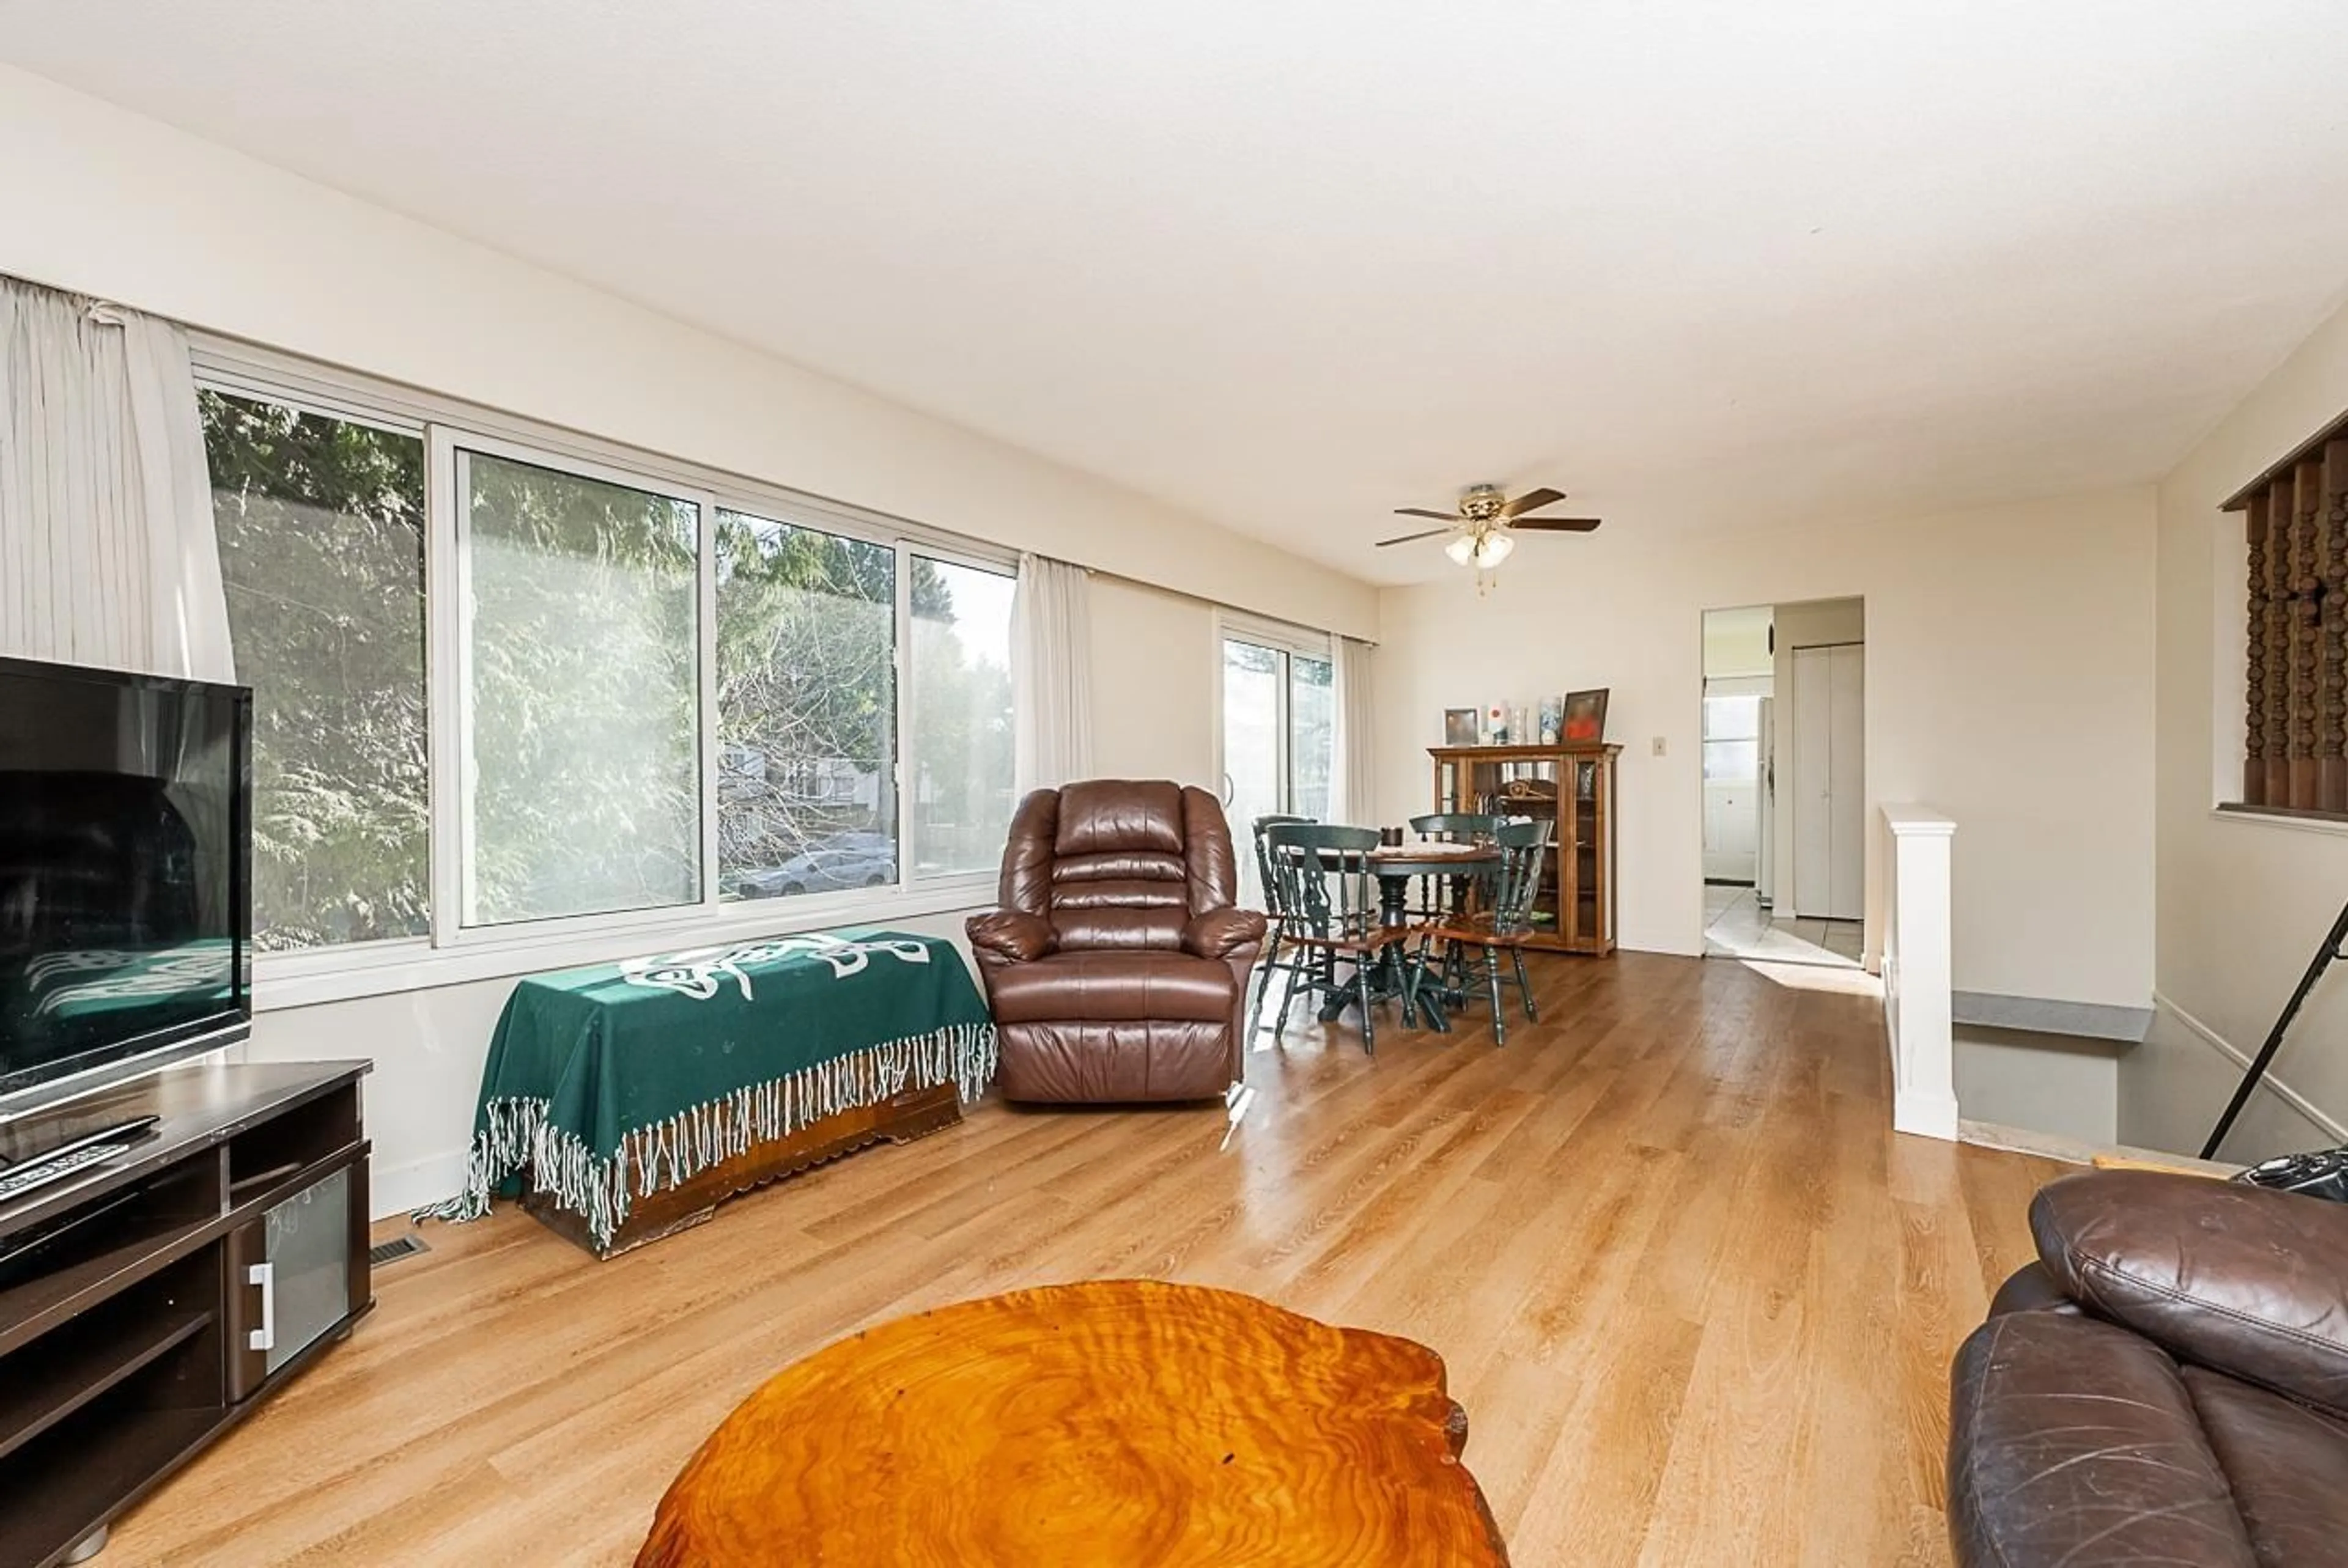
2258	1064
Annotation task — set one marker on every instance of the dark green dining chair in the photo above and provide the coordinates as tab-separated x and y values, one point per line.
1325	893
1271	960
1459	826
1502	922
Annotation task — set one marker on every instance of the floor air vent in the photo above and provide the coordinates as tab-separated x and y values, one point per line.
395	1249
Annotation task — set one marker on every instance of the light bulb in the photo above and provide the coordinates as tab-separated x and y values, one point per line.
1493	550
1460	549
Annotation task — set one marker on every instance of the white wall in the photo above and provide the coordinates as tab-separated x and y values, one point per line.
2040	1082
104	202
2244	902
2008	683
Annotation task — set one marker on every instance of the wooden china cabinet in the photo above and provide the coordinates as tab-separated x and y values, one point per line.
1571	782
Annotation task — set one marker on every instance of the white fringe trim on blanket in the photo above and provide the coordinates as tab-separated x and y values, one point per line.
669	1153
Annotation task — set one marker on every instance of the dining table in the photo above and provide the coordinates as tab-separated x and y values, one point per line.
1396	866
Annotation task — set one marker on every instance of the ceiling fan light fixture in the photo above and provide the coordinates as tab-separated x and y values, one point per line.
1481	531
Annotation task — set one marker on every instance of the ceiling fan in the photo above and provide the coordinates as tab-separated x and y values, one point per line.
1483	527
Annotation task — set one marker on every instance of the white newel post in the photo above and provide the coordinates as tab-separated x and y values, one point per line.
1917	975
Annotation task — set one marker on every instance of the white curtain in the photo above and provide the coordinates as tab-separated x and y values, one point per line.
1051	673
107	554
1353	784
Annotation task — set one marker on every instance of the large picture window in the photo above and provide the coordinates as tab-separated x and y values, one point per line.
806	710
1312	733
580	762
648	691
321	524
961	657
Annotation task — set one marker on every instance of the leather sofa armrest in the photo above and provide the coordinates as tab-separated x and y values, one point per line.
2241	1279
2075	1441
2031	1289
1223	933
1010	937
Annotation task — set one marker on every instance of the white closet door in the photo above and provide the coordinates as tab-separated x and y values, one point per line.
1847	783
1766	881
1813	779
1828	784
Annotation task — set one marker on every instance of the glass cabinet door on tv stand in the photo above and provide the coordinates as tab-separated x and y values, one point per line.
1571	784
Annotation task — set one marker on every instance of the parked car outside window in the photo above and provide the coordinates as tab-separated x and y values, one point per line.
844	860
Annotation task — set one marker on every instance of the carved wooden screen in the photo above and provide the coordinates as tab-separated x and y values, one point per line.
2295	736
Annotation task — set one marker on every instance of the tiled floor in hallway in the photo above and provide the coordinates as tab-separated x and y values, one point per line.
1737	926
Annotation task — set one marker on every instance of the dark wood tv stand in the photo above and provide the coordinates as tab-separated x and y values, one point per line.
209	1264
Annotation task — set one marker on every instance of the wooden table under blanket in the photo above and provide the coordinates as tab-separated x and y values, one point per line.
623	1102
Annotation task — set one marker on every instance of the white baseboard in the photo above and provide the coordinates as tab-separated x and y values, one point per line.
2270	1084
1925	1116
409	1186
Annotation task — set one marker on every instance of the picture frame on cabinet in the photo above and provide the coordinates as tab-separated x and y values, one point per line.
1585	715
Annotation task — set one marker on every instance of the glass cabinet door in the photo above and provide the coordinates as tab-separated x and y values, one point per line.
308	1256
1589	881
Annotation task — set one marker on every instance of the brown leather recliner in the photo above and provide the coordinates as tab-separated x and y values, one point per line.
1118	964
2169	1383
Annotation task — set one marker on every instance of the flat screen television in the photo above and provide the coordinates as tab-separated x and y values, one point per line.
126	914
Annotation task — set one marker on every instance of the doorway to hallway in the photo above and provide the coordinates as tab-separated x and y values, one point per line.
1784	762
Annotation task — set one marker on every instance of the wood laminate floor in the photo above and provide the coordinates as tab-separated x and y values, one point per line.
1697	1300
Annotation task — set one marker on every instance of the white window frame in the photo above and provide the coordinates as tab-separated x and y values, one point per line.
454	837
454	953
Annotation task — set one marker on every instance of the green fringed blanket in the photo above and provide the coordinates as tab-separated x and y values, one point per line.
621	1080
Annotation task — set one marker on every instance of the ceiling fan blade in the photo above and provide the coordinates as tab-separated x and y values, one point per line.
1423	512
1405	538
1555	525
1531	500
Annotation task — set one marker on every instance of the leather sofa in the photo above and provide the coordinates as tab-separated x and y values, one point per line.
1117	964
2167	1384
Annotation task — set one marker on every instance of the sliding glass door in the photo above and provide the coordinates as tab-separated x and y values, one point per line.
1279	737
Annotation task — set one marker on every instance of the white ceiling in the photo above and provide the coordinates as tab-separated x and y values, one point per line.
1701	262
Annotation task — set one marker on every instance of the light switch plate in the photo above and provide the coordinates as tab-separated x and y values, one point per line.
1658	745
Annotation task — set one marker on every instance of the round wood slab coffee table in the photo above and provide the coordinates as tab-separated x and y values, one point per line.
1115	1422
